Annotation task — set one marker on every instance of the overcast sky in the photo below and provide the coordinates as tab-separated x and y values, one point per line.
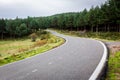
24	8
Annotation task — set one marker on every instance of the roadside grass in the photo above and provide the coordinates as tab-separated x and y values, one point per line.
19	49
11	47
103	36
114	67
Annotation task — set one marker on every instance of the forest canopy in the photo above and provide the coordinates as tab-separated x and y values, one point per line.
104	18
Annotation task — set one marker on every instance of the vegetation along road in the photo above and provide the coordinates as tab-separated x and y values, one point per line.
76	59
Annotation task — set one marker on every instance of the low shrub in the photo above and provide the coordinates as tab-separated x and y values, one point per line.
41	32
33	37
45	36
52	40
23	49
40	43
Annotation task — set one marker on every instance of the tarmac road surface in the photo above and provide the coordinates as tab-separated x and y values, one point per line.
76	59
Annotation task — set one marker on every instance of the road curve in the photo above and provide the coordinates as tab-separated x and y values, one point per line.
76	59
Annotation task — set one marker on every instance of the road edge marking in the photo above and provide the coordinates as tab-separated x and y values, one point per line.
101	64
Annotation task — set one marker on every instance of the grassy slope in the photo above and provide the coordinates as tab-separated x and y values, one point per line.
114	67
11	51
10	47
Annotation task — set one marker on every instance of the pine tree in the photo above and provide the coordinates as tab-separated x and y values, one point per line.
2	27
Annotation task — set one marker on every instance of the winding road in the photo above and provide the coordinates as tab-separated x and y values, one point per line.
76	59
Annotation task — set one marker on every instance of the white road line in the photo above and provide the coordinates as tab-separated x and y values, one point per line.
100	66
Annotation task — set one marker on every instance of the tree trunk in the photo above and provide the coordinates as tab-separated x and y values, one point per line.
119	27
2	35
77	28
108	28
71	28
105	28
97	28
84	27
14	35
92	28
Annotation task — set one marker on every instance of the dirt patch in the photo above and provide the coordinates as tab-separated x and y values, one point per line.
114	48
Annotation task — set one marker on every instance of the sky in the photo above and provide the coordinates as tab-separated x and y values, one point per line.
37	8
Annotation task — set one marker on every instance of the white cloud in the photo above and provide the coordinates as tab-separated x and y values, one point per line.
22	8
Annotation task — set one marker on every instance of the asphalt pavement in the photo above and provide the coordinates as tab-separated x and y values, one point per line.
76	59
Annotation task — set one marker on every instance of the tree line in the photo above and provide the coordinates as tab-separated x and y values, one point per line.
100	18
14	28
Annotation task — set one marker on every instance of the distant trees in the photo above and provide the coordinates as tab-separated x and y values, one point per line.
2	27
21	30
61	21
34	25
100	18
114	12
21	27
11	27
103	18
54	22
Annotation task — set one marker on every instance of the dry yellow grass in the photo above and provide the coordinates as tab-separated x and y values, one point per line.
40	43
10	47
11	51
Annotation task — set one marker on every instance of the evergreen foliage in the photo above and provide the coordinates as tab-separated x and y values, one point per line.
104	18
